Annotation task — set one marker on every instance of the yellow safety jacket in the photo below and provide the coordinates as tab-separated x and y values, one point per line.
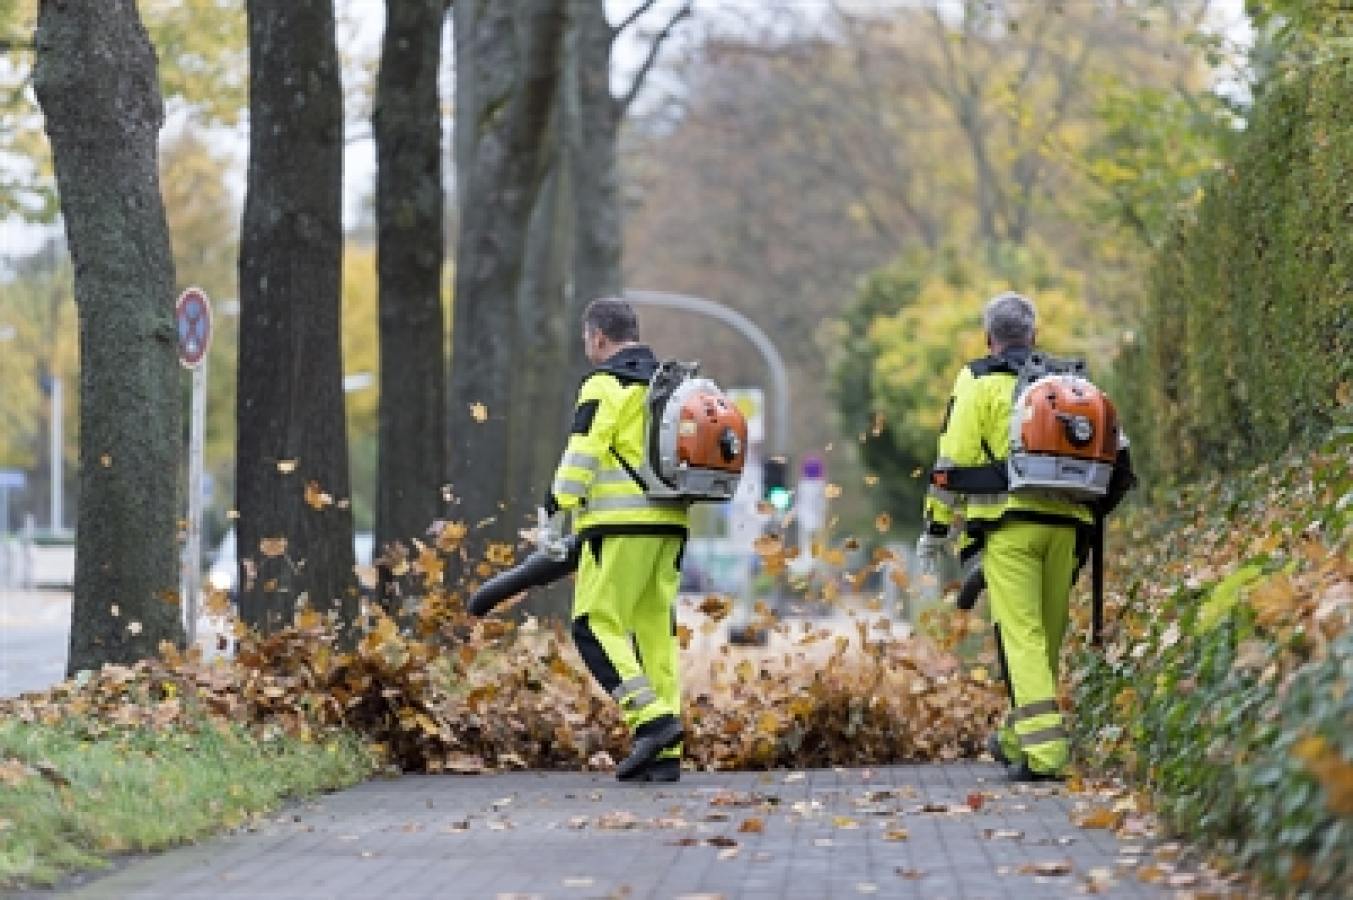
598	477
968	479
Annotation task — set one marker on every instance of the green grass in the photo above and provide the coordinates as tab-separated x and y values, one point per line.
139	790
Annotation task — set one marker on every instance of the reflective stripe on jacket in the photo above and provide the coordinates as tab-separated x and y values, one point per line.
607	435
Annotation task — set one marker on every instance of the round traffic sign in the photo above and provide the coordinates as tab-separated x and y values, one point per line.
192	315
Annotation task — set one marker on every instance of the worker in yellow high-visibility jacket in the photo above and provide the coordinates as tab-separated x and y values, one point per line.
1031	544
624	604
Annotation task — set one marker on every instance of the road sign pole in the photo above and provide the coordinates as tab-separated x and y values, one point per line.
196	447
56	440
192	315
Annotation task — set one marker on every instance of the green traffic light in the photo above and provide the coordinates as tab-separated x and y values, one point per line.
780	498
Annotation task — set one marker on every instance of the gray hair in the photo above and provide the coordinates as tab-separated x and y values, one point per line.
1009	319
613	317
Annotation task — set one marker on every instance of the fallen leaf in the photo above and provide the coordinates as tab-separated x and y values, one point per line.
272	547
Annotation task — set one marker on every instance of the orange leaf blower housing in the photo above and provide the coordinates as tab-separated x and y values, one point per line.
1066	416
712	433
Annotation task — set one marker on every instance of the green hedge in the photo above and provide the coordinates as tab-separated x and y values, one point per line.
1227	689
1246	341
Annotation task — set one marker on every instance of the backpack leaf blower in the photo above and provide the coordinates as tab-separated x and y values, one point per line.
537	570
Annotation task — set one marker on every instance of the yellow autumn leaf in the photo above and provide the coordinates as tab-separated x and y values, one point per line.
479	412
451	535
287	466
1334	773
315	496
882	522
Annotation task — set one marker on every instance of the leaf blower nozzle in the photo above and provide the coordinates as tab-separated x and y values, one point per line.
537	570
973	584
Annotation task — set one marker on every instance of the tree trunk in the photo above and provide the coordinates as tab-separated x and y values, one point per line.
295	527
97	81
506	74
410	253
592	134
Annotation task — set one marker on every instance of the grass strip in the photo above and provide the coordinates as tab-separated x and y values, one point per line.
68	800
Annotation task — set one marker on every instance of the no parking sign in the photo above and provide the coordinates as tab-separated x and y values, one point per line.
192	315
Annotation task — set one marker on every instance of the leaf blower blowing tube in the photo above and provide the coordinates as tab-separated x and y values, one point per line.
536	570
973	584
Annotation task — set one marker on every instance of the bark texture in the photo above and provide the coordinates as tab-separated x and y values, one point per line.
506	78
295	526
410	256
96	79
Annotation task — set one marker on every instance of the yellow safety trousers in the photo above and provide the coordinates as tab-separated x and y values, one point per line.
624	622
1029	571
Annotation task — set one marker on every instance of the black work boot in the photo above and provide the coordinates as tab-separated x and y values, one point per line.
1022	773
666	770
650	739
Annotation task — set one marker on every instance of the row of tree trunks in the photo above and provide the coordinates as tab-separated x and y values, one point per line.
295	525
96	79
540	237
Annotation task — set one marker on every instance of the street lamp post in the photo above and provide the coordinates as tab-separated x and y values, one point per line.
775	364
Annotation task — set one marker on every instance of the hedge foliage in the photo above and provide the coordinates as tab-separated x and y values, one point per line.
1246	341
1227	684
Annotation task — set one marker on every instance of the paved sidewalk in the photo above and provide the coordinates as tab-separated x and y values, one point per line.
901	831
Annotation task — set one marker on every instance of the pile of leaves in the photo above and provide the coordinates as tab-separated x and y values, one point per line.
1225	684
438	690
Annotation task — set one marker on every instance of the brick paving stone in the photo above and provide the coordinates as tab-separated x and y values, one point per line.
824	834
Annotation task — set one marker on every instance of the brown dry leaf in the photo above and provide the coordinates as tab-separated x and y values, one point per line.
106	460
752	826
1334	773
315	496
479	412
716	607
882	522
272	547
1275	601
832	491
1048	867
896	834
1098	817
430	565
13	772
768	545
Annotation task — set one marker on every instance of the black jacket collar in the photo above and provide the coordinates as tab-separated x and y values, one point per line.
632	365
1009	360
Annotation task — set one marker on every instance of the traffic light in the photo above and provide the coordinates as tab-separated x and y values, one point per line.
775	483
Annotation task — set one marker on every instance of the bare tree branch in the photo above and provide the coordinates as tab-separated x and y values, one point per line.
634	16
653	49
